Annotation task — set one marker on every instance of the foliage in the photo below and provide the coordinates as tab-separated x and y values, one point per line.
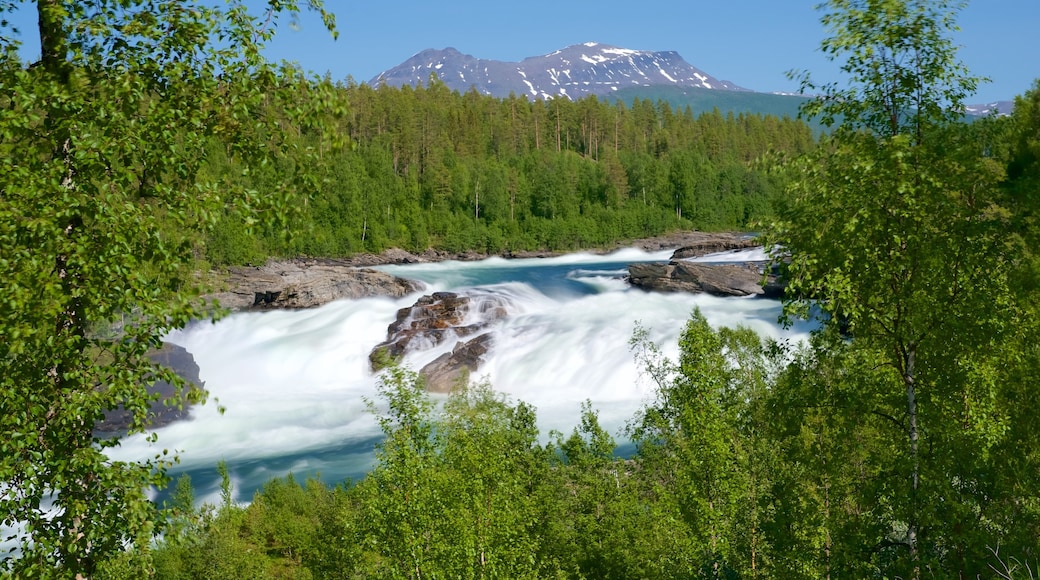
1026	117
437	169
900	64
893	228
101	202
700	439
452	494
1023	174
899	442
753	460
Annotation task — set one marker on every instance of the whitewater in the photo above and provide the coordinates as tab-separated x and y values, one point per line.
288	389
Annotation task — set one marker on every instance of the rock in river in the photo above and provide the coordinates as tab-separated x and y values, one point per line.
446	371
436	319
306	284
681	276
165	410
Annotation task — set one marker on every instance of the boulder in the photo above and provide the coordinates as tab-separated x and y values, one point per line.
166	409
435	319
712	245
679	276
301	284
692	243
775	285
452	368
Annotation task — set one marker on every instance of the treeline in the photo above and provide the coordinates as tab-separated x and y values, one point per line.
750	463
431	168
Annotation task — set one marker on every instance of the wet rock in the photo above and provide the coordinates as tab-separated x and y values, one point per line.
307	284
696	241
435	319
165	410
775	285
713	244
717	279
449	370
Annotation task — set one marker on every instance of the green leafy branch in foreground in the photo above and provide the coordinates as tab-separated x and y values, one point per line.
102	140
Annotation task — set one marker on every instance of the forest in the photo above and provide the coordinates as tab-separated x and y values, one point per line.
899	442
431	168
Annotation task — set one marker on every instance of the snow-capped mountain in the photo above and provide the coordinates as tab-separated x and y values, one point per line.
1001	108
575	71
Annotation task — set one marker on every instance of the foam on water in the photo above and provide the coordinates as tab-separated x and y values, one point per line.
293	383
758	254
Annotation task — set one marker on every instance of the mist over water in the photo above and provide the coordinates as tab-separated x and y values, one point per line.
293	383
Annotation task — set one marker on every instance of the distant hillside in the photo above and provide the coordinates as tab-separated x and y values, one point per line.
704	101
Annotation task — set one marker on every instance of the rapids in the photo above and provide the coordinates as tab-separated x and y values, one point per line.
292	384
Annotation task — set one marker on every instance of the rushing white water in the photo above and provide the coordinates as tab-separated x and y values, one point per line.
293	383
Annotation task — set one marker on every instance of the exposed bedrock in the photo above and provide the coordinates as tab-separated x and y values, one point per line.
165	410
452	368
307	284
717	279
436	319
695	246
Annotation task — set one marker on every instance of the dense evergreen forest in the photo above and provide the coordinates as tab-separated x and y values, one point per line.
430	168
901	441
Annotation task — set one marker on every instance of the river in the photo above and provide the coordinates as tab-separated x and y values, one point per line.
292	385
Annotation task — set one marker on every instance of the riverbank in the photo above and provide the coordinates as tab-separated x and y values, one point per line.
693	243
311	282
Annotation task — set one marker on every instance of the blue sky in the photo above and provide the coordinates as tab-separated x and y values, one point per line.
749	42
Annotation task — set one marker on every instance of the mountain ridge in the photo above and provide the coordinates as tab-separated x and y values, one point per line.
575	71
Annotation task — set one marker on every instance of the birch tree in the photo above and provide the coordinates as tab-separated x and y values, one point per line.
893	229
102	137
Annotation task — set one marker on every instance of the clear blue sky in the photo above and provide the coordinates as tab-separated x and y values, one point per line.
749	42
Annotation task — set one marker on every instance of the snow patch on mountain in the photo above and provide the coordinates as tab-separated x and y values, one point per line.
999	108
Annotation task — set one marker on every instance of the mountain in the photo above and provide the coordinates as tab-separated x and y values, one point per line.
1000	108
574	72
616	74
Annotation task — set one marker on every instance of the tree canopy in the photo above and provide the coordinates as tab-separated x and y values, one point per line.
894	227
899	442
101	200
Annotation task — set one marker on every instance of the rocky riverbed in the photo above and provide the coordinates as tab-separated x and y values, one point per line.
311	282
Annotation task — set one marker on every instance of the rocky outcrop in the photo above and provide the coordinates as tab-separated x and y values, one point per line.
390	256
165	409
452	368
435	319
717	279
306	284
713	244
775	285
692	243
